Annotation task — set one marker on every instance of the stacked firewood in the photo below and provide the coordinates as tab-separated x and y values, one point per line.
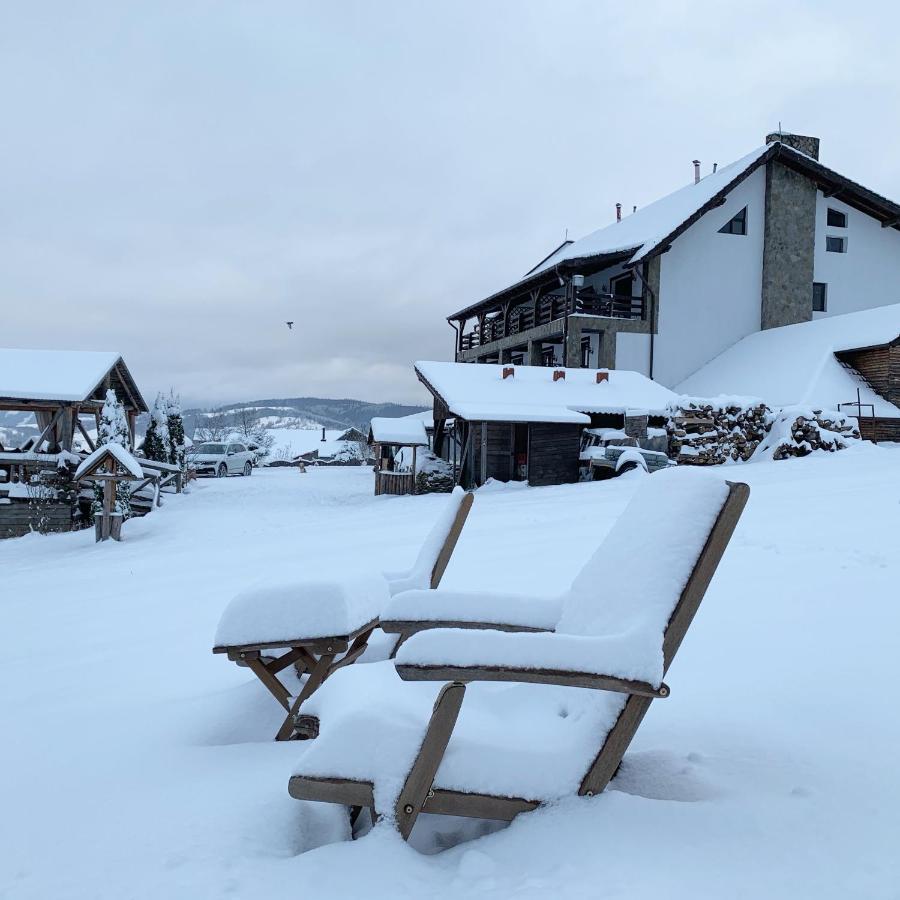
712	432
799	433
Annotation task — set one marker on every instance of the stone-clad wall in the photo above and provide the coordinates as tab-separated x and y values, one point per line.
788	247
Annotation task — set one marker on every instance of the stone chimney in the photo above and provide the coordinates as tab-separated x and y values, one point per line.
801	142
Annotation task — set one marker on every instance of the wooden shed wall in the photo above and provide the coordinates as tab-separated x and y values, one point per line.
18	517
874	364
553	453
499	451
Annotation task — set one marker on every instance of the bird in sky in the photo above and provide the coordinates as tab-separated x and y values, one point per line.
290	326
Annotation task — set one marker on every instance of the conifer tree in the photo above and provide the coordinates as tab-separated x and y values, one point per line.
113	430
157	441
175	423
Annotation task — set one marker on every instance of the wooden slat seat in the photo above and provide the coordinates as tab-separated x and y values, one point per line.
542	732
320	626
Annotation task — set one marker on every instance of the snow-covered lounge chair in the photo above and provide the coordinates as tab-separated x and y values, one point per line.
405	746
320	625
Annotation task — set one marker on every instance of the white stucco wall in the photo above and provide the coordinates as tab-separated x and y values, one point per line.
868	274
633	352
710	286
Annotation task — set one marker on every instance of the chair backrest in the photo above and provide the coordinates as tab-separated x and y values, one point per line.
668	540
438	546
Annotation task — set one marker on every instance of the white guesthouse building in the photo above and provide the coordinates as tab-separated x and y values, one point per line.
775	238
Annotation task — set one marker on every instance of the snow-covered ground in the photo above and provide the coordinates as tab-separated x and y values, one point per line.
135	764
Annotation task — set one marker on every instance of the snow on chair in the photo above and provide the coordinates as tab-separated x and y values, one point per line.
395	741
319	625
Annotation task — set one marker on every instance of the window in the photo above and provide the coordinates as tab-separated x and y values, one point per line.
835	244
736	225
585	352
820	296
621	286
836	218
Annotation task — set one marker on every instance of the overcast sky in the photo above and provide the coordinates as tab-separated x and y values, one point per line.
179	179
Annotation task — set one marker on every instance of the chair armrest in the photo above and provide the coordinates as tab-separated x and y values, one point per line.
610	663
413	611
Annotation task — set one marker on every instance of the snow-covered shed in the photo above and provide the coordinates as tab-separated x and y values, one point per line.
59	386
849	362
388	436
525	422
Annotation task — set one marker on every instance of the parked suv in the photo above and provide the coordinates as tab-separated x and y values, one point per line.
221	459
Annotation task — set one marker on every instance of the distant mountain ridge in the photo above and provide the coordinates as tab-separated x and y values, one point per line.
303	412
345	413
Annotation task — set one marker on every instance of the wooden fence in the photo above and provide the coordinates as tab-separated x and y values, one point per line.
394	483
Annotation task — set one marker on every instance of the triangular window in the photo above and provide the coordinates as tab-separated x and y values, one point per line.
737	225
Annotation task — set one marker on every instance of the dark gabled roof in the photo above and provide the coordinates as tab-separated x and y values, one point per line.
651	230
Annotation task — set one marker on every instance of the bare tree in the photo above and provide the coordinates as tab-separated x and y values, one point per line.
213	426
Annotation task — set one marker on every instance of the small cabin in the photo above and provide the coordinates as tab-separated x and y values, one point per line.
526	423
389	438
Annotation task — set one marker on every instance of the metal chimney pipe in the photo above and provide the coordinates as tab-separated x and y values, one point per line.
715	168
696	171
618	212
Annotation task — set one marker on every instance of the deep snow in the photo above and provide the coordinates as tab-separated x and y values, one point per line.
137	764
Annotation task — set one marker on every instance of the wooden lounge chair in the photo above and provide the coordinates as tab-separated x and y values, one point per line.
318	626
408	746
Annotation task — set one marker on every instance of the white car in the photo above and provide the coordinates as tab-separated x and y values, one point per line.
223	458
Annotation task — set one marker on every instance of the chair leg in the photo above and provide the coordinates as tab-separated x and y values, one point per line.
606	763
316	677
421	776
272	684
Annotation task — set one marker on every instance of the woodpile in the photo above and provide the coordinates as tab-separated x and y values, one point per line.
794	434
707	433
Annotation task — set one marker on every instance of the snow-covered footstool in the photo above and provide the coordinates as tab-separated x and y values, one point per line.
317	625
570	697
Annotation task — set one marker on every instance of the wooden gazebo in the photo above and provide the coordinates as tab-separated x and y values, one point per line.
59	387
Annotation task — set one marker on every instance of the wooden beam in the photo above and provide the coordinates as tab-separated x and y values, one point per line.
409	672
421	777
47	430
891	223
332	790
85	435
446	551
476	806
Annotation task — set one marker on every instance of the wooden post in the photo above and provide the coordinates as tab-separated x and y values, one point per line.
109	504
484	453
67	428
414	470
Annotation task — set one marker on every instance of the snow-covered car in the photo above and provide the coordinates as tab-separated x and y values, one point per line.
223	458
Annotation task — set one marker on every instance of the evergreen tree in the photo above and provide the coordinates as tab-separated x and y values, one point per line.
175	424
113	424
156	441
113	430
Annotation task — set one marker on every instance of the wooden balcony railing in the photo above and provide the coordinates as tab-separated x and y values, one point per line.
550	308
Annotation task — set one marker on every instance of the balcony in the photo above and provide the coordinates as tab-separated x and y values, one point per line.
550	308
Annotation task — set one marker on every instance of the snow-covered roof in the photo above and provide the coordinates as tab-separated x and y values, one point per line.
647	230
408	431
796	365
480	393
643	230
65	375
53	374
122	457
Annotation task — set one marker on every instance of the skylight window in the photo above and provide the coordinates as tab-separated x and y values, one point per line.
737	224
